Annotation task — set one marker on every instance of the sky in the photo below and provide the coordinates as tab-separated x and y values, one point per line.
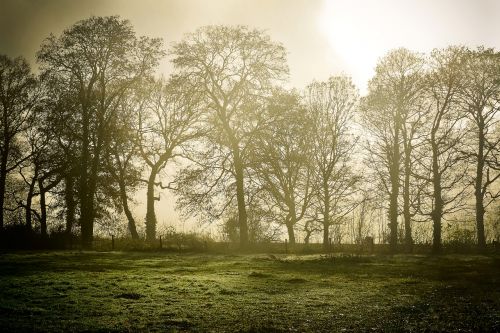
323	37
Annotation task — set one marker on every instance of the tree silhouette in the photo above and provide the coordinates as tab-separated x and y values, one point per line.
480	97
98	60
233	67
393	94
18	97
167	123
442	168
332	105
282	160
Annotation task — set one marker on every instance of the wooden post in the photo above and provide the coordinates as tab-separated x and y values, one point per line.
113	242
161	245
286	246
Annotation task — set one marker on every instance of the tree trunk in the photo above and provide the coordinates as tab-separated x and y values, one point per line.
291	234
240	196
406	203
29	200
86	203
393	213
326	218
150	206
437	212
70	204
89	179
291	222
307	237
478	189
326	237
393	204
128	213
43	209
481	239
3	181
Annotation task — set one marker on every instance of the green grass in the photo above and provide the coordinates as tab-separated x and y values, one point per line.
115	291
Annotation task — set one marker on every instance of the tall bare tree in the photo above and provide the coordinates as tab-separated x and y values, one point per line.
98	60
332	106
233	67
442	168
167	123
480	96
123	161
18	98
282	160
393	93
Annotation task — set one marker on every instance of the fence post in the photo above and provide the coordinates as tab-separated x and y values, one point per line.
161	245
286	246
113	242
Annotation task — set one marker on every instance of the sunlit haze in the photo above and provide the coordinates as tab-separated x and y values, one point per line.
322	37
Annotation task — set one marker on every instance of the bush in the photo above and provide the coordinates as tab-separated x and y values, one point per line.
461	240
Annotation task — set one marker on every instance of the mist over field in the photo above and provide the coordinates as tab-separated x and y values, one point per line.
199	158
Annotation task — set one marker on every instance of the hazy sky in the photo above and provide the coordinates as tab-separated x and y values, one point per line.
322	37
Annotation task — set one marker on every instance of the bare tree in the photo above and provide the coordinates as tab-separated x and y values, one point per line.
480	97
282	160
58	125
18	97
167	123
98	60
442	168
393	94
122	162
233	67
42	171
332	105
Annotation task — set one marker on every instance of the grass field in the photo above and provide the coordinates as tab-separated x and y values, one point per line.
115	291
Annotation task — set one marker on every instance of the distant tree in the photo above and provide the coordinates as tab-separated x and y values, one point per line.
167	124
98	60
48	159
440	157
480	97
122	163
29	172
282	160
18	97
394	92
233	67
332	106
58	123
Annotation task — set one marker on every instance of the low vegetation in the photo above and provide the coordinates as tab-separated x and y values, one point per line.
158	292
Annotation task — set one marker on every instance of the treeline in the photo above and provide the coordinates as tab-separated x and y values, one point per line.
78	140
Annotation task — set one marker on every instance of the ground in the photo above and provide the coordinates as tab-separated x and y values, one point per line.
124	291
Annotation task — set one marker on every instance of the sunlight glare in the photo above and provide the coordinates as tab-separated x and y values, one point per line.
346	33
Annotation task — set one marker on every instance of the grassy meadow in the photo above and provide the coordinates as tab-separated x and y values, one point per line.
182	292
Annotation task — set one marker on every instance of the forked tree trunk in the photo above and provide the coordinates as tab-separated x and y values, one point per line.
128	213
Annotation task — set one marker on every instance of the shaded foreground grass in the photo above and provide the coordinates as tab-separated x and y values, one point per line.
91	291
